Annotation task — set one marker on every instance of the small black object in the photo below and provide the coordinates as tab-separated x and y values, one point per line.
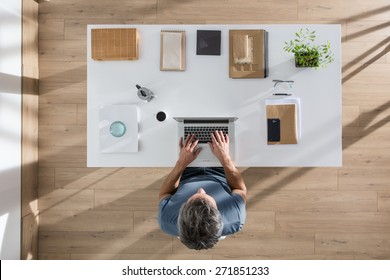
161	116
140	90
208	42
273	130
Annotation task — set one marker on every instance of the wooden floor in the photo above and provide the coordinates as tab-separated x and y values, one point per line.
293	213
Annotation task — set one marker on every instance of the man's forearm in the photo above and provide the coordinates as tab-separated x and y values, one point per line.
233	176
172	181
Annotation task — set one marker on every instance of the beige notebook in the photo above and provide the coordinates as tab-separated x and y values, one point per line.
287	114
114	44
172	50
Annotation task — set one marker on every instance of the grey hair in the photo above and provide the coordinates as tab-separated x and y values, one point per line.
200	224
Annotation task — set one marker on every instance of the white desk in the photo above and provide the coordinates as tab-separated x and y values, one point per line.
205	89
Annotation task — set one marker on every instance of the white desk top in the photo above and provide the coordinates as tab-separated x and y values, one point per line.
205	89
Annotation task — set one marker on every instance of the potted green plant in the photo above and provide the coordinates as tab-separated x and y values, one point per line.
307	54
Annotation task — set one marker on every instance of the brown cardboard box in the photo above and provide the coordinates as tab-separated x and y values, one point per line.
114	44
248	53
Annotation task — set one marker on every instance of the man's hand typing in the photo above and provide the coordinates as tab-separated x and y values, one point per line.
219	145
188	150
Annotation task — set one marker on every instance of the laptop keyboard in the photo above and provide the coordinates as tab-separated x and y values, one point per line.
203	133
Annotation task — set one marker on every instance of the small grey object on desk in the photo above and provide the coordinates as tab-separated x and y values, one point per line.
144	93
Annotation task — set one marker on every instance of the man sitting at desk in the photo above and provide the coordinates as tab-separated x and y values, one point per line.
201	205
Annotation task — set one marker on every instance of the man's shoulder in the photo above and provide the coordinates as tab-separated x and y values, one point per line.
241	194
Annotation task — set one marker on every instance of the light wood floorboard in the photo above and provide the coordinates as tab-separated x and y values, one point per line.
293	213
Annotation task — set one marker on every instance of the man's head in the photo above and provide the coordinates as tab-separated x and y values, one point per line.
200	223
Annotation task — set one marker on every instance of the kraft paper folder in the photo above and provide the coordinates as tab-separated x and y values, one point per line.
172	50
248	53
287	110
114	44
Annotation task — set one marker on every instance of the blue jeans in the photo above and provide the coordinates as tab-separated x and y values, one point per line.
195	171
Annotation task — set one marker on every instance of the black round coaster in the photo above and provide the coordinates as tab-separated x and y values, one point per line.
161	116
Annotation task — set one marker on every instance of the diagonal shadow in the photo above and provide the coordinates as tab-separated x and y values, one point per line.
370	51
369	62
71	76
362	16
362	33
369	13
367	31
10	83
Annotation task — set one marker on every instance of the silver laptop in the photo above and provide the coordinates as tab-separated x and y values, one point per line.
202	127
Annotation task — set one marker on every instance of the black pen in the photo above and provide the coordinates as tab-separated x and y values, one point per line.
284	94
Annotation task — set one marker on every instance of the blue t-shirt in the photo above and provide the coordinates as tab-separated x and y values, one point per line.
230	205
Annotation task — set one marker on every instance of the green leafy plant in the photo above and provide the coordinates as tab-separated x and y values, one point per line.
306	53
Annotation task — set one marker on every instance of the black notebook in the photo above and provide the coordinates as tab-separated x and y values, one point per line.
208	42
